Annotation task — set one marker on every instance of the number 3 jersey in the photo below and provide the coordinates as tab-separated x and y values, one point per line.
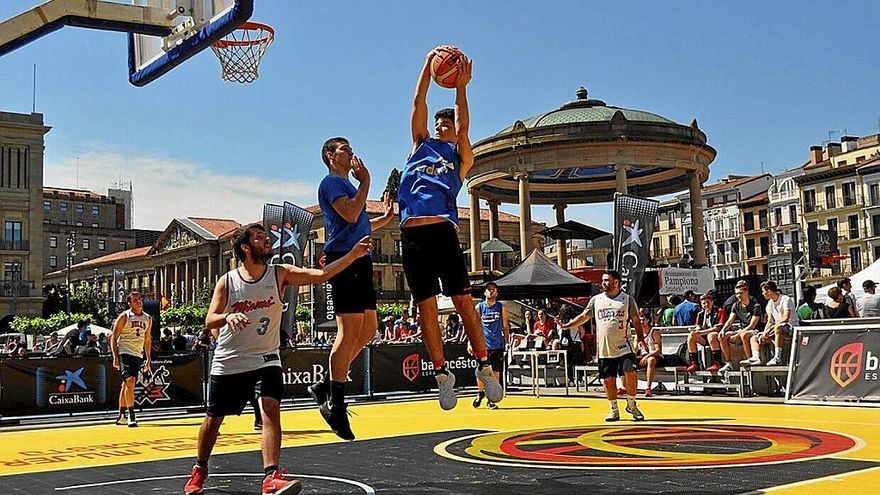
255	345
612	316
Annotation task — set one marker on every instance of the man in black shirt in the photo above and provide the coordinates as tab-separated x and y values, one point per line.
747	312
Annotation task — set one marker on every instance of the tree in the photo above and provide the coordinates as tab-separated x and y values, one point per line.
87	300
55	299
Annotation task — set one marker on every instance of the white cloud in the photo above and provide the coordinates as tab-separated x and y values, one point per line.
166	188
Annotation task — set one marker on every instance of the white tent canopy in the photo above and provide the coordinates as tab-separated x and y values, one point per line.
96	329
872	272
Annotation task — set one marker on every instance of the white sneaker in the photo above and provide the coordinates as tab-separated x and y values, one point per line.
446	383
752	361
493	389
774	362
636	414
614	415
726	368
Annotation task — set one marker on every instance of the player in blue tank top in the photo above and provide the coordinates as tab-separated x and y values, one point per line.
346	222
432	255
496	329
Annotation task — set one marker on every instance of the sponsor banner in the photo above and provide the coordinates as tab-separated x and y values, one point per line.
633	226
681	280
822	244
836	364
119	295
90	384
303	367
408	367
323	310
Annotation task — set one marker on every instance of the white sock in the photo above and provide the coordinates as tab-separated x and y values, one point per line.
613	405
777	353
630	402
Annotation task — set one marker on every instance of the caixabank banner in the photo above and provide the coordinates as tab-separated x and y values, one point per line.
303	367
85	384
408	367
839	364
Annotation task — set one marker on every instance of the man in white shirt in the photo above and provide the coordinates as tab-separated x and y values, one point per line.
869	304
781	314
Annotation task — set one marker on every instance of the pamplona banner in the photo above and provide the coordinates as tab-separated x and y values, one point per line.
680	280
836	364
633	226
289	227
822	244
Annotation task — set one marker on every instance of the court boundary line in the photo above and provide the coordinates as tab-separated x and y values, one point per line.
369	490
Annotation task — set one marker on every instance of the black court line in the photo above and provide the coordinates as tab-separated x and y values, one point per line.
408	465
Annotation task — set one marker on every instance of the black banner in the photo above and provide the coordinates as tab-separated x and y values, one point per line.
408	367
633	226
303	367
323	310
822	245
836	364
91	384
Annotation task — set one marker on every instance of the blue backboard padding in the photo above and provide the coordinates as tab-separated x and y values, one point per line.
241	11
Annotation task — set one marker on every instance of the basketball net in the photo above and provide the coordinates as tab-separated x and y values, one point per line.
241	50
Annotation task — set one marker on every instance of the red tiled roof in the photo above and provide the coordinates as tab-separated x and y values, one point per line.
117	256
216	226
728	184
375	206
759	198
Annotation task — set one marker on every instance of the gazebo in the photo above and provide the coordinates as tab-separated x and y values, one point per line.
584	152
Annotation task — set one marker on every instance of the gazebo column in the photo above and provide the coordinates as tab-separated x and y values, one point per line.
525	215
561	248
697	225
620	175
476	236
494	258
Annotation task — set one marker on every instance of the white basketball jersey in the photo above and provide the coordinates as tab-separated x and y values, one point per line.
133	333
612	324
256	344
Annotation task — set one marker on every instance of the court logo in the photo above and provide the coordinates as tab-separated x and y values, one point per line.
681	446
412	367
846	363
152	388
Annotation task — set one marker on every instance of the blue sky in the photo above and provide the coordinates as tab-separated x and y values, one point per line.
765	80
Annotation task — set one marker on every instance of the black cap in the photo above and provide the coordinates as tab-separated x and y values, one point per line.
867	284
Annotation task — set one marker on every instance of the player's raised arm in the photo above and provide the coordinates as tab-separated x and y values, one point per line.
291	275
419	119
381	221
462	116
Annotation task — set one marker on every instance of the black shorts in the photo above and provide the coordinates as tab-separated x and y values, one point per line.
611	367
129	366
670	360
432	256
496	359
228	394
352	288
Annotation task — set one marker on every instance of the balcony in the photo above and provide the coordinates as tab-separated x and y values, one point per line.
16	289
783	196
15	245
379	257
666	253
392	295
725	234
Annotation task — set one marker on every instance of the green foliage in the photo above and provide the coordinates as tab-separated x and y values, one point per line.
187	316
86	299
44	326
393	309
303	313
204	295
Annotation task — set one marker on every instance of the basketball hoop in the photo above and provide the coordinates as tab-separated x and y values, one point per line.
241	50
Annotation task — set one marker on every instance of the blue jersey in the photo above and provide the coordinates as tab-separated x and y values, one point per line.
341	235
490	316
430	182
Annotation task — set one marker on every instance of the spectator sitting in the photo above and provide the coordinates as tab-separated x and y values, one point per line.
517	334
191	338
809	308
85	330
868	306
90	349
454	329
179	342
666	315
747	313
705	332
103	344
838	307
546	325
652	355
68	344
52	343
845	285
685	313
166	344
781	313
401	327
205	342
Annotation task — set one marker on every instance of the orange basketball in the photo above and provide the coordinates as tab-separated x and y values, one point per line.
444	69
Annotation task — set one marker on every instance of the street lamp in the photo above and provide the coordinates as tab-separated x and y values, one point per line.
71	252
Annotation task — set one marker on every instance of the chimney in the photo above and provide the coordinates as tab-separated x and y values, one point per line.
832	149
815	154
849	143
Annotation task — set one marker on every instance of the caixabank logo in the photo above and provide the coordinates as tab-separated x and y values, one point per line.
624	447
414	366
852	361
74	387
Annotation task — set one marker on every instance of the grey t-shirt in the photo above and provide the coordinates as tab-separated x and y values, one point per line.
869	306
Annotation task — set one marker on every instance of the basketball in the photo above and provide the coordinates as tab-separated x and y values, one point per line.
444	68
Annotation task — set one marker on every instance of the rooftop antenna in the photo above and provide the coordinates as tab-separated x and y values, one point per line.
77	172
831	133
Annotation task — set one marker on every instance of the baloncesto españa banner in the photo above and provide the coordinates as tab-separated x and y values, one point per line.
633	226
836	364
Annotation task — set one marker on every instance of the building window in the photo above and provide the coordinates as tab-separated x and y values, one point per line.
792	213
86	258
80	208
87	244
809	201
710	202
853	225
849	194
12	231
47	205
673	246
399	282
102	245
874	192
777	214
876	253
855	259
750	248
62	206
795	241
53	261
830	200
765	246
780	241
762	219
671	219
53	242
123	245
398	247
832	225
748	221
79	224
96	210
377	280
377	246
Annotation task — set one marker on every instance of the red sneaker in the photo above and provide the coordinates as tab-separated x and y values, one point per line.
693	367
648	392
621	391
196	482
714	368
276	484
